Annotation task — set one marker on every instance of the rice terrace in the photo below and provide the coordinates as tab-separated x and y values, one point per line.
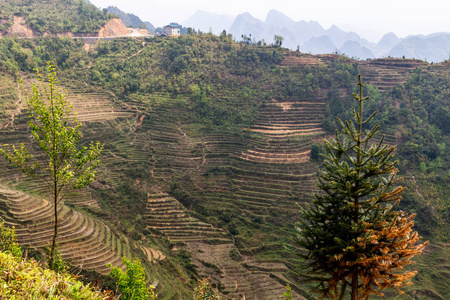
211	146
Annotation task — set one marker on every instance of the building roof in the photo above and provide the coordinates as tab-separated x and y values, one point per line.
173	25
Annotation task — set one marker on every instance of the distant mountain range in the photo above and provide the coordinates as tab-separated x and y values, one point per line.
311	37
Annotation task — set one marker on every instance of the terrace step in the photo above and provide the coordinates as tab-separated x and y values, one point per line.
237	280
387	73
80	238
167	215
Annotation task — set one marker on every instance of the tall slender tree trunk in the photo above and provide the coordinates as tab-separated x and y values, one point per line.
53	158
354	286
55	231
354	295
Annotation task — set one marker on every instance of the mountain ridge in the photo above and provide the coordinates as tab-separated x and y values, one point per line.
304	34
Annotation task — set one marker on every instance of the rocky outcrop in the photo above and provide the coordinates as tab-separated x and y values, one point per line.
20	29
114	27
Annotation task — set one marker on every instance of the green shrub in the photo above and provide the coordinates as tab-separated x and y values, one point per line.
288	294
57	263
8	241
132	282
23	279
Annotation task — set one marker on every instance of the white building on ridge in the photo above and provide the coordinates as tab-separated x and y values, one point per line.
172	29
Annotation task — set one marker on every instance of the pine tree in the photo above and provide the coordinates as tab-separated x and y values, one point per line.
351	234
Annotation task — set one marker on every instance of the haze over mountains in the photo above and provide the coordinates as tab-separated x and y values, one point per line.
311	37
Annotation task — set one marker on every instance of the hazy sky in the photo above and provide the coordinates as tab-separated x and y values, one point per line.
403	17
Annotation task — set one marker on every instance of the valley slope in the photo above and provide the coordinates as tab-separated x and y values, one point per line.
209	145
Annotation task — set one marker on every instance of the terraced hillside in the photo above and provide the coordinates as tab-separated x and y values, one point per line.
283	128
165	214
384	73
92	106
215	173
244	277
207	151
387	73
169	151
303	60
84	241
162	145
212	251
173	153
89	105
272	171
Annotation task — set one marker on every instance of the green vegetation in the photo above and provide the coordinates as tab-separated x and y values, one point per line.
63	167
278	40
227	130
351	233
22	279
8	241
411	114
288	294
54	16
132	283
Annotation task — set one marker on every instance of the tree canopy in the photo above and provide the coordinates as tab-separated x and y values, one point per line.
352	234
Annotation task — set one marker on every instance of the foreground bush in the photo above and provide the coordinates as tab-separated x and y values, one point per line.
23	279
8	240
132	282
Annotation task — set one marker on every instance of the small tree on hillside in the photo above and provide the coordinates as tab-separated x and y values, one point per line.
8	240
278	39
205	291
132	283
351	233
60	165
